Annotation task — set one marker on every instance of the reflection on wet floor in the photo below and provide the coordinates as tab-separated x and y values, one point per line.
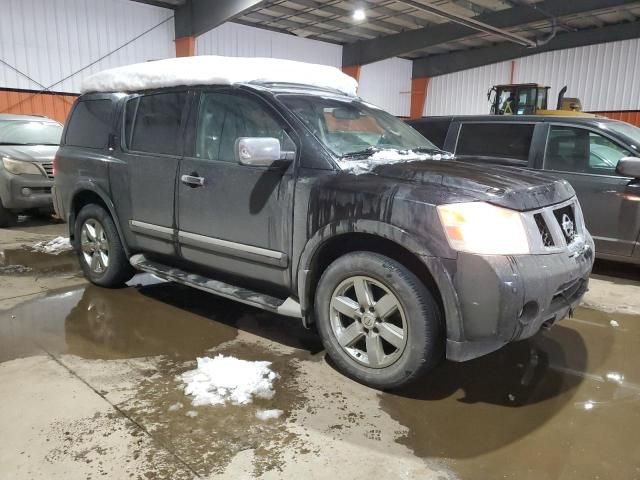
20	261
563	405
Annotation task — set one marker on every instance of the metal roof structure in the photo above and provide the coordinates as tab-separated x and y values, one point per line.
439	35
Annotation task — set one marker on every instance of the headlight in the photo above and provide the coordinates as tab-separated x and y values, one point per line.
478	227
18	167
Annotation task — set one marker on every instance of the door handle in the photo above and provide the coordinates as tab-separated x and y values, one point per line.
192	180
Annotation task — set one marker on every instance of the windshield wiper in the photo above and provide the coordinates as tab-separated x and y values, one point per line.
367	152
430	150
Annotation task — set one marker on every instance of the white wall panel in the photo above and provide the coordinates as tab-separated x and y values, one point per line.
49	40
235	40
465	92
387	84
605	77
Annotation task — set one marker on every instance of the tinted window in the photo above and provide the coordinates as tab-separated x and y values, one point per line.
156	122
573	149
223	118
89	124
434	131
503	140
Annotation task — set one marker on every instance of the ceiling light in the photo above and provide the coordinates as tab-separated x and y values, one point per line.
359	15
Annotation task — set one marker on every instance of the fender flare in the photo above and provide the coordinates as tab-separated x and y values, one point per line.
89	185
386	231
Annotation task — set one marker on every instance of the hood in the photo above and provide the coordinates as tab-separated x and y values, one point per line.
509	187
29	153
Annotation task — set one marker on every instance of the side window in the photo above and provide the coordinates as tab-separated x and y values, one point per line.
224	117
435	131
90	124
572	149
502	140
152	122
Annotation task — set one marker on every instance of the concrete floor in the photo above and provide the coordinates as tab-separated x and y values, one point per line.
87	376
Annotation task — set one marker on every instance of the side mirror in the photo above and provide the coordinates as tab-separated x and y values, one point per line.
629	167
258	151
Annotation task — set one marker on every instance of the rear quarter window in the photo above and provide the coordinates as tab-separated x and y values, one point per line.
90	124
501	140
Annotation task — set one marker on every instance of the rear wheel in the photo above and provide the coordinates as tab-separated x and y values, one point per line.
377	320
101	254
7	217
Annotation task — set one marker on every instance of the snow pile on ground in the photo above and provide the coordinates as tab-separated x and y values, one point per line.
217	70
54	247
223	379
386	157
268	414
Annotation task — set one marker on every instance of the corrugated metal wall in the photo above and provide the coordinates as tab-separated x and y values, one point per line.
465	92
388	85
604	77
50	40
234	40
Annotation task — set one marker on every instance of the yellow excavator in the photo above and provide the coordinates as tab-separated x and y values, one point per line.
531	99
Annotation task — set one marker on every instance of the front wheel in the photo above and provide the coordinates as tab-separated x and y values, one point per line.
378	321
101	254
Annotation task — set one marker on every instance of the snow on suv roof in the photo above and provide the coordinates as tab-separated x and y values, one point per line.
216	70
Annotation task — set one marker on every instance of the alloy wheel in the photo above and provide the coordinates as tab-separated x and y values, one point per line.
368	321
94	246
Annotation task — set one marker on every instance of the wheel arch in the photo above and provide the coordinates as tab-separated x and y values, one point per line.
87	193
334	241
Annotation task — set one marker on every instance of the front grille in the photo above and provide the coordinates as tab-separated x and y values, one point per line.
545	234
48	168
567	221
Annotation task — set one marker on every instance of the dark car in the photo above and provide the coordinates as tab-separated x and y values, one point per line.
27	147
308	202
598	156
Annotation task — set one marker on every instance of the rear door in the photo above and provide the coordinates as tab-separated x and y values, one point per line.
152	148
232	218
588	159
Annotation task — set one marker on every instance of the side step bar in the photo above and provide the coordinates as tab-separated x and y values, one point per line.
288	307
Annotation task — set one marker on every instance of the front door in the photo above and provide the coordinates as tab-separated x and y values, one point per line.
588	160
232	218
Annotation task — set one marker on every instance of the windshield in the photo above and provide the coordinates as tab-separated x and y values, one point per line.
627	130
349	126
29	132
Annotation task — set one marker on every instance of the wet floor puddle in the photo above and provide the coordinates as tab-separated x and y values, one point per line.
23	261
158	330
563	405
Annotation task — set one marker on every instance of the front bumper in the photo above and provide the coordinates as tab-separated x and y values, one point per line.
507	298
24	192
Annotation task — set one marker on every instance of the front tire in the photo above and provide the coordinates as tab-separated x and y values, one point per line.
378	322
100	251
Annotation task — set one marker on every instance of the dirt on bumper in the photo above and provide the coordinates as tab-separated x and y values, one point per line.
508	298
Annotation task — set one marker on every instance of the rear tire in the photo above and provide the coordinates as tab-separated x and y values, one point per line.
7	217
100	251
378	322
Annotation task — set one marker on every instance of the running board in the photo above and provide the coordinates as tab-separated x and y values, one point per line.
288	307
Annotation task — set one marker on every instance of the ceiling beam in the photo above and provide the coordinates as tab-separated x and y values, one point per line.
369	51
196	17
477	57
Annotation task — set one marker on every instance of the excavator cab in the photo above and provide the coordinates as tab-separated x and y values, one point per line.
518	99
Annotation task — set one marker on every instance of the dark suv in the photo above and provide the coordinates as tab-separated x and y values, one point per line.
28	144
313	204
598	156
